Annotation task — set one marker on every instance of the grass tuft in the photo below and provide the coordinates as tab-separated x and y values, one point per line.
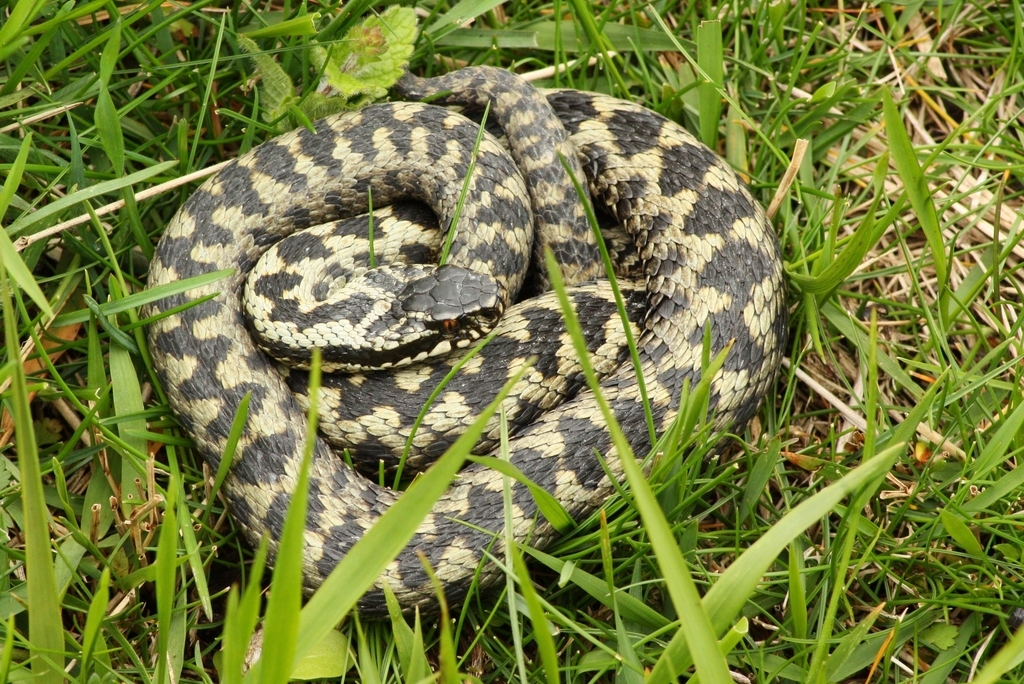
864	527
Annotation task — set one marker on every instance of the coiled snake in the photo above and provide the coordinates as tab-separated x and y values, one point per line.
708	259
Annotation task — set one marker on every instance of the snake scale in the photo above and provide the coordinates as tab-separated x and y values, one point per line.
707	259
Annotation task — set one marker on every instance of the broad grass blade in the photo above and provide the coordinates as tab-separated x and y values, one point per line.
9	256
697	628
47	211
709	93
45	630
905	159
367	559
727	596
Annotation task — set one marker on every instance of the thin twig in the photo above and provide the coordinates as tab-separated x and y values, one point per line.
548	72
787	180
38	117
26	240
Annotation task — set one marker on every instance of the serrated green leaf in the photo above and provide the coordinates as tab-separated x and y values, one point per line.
941	635
318	105
372	57
947	660
276	90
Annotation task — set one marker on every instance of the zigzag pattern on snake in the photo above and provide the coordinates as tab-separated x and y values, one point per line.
709	258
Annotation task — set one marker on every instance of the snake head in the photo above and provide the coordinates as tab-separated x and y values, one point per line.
459	305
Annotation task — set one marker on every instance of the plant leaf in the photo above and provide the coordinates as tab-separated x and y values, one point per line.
9	256
371	58
905	159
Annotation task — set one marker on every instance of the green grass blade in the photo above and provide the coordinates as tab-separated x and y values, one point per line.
449	666
228	457
547	504
1007	657
905	159
52	209
454	225
728	595
46	633
242	616
21	15
299	26
797	591
583	12
108	125
421	416
419	667
631	608
961	534
128	401
404	638
709	92
999	445
946	660
994	493
850	641
166	557
368	672
282	618
9	256
759	476
514	623
138	299
367	559
542	630
94	619
620	304
697	628
459	14
8	653
847	261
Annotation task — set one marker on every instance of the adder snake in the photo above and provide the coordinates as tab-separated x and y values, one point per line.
708	259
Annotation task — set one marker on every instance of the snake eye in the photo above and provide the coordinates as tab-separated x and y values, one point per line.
449	326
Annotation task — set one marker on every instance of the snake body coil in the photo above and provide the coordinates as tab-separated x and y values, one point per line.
708	259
